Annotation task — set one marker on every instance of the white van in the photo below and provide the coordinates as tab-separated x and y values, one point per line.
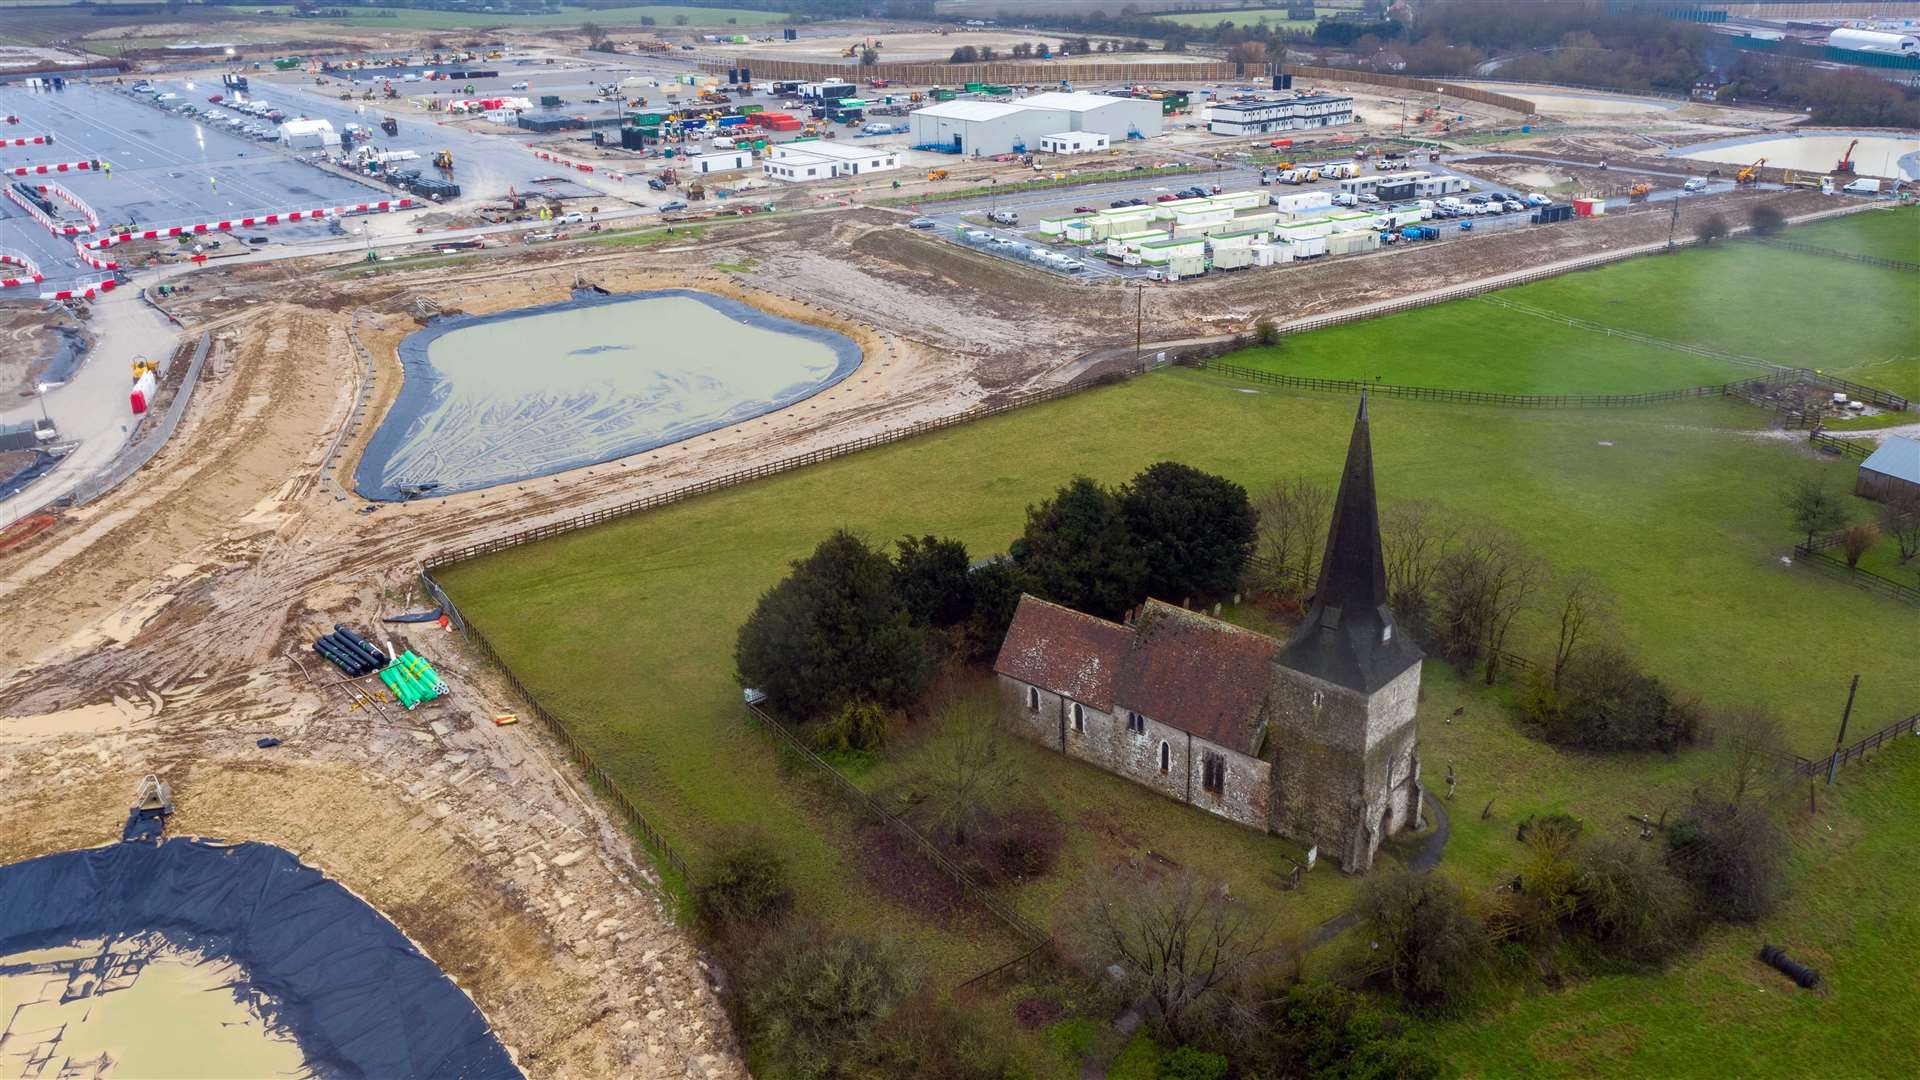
1346	198
1694	184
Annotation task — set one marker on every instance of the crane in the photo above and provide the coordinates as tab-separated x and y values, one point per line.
1750	174
1845	164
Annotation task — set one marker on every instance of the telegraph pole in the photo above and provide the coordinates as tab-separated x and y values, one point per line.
1833	763
1139	319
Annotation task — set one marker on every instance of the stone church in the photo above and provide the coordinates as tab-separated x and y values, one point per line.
1312	738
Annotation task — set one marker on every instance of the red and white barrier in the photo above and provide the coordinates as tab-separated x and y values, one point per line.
28	140
93	260
252	222
43	170
84	290
57	228
560	161
33	276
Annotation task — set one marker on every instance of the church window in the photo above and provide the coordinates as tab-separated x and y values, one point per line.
1033	699
1213	773
1165	757
1079	718
1136	723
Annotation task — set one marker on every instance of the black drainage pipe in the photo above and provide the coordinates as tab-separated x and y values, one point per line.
1806	977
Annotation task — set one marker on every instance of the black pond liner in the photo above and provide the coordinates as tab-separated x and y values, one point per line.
359	999
423	385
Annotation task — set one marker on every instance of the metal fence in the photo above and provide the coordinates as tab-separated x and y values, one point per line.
1003	74
134	457
601	781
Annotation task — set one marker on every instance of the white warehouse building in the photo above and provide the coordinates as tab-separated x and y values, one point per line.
986	128
1874	41
824	160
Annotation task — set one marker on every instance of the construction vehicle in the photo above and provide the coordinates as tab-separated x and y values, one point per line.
1845	164
1640	191
696	191
1750	174
936	174
443	160
390	126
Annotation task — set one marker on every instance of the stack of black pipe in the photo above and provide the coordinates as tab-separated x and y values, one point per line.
350	652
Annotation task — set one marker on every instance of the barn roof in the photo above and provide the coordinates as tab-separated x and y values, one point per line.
1898	457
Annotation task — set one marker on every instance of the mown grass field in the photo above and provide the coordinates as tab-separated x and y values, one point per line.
1865	324
1271	18
627	630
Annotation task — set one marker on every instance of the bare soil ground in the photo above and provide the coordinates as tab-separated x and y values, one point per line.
29	337
165	627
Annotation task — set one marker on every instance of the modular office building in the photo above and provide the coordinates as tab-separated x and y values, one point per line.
1279	114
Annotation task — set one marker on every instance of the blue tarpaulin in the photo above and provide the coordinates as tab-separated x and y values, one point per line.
354	993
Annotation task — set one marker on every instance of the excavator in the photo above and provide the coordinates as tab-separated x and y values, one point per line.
1750	174
1639	191
1845	164
443	160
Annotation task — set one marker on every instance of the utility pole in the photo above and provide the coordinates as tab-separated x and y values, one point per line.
1833	763
1673	221
1139	320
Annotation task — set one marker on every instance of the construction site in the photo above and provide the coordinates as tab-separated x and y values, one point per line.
257	385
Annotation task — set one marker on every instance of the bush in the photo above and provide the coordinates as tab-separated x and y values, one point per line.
1024	843
1563	827
1733	857
814	1001
1434	950
1187	1063
859	725
748	881
1766	220
1547	879
941	1039
1629	901
1330	1033
1266	332
1605	702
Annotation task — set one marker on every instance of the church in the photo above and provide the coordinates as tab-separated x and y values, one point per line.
1312	738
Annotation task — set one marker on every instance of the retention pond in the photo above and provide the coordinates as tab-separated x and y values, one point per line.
196	959
491	399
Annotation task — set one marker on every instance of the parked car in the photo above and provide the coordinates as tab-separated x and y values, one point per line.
1369	197
1694	184
1005	217
674	205
1168	197
1088	209
921	223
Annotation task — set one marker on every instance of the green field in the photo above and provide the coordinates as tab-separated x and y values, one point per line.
627	630
1271	18
1728	298
1894	234
663	14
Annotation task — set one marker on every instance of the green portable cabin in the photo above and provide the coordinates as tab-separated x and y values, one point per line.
1054	226
945	95
1159	252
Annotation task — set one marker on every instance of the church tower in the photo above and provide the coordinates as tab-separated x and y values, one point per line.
1345	753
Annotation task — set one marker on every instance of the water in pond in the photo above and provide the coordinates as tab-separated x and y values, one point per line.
496	398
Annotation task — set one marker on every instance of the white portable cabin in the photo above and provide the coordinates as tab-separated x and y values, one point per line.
1271	254
718	162
1263	220
1157	252
1304	202
1187	265
1239	200
1054	226
1302	247
1075	142
1242	240
1119	243
1088	230
1311	227
1163	211
1202	215
1233	258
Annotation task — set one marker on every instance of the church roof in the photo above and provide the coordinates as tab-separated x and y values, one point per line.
1185	670
1348	637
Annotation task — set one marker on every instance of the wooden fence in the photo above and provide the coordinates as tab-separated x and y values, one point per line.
1039	73
1831	253
601	781
1813	555
1905	726
1858	448
1462	397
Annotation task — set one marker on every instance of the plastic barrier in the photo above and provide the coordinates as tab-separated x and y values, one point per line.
28	140
252	222
93	260
57	228
33	275
85	290
60	167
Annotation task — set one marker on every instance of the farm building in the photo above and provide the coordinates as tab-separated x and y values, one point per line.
1117	118
1891	472
1313	738
1074	142
824	160
985	128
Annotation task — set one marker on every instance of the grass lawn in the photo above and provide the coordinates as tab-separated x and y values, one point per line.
1271	18
662	14
1893	234
1737	298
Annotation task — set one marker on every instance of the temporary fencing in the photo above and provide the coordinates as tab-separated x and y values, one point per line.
82	290
88	257
46	220
33	276
57	167
28	140
566	163
253	221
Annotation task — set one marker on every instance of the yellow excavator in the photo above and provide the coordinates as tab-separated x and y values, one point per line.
443	159
1750	174
1640	191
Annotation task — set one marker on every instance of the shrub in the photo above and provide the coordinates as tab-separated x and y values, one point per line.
1564	827
747	881
813	1000
941	1039
1024	843
1733	857
1433	949
1630	901
1766	220
1187	1063
859	725
1547	883
1328	1032
1266	331
1858	539
1605	702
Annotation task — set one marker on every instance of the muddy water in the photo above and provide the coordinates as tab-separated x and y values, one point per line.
151	1009
1875	156
505	397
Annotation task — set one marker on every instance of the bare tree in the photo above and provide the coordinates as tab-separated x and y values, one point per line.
1414	536
1176	940
971	768
1857	540
1584	608
1294	517
1482	587
1754	757
1813	506
1900	519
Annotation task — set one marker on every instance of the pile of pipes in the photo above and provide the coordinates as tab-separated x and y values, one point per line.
412	680
350	652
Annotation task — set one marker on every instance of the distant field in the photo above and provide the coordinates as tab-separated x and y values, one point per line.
1894	234
663	14
1272	18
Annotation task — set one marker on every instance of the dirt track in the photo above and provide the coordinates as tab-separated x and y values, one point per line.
153	630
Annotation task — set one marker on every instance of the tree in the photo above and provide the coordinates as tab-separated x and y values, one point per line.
1175	940
1583	608
1858	539
869	56
679	20
1023	50
1325	1031
834	631
1604	701
987	55
1753	757
931	576
1710	228
1266	333
813	1001
1414	537
1078	551
1766	220
1733	857
970	769
996	594
1481	587
1195	529
1900	519
1432	948
1294	518
1629	900
1248	52
965	54
1813	507
747	881
1191	1063
595	34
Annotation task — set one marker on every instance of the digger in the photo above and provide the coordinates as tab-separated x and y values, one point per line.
443	160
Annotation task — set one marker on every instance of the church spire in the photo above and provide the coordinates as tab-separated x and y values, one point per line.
1349	638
